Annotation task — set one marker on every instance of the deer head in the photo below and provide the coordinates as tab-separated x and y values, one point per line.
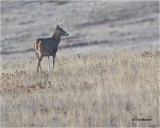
60	31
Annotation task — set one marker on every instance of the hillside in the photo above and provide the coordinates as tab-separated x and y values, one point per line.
100	26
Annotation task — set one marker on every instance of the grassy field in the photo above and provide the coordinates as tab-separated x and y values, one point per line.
108	89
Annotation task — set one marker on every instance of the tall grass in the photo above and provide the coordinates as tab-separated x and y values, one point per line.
87	90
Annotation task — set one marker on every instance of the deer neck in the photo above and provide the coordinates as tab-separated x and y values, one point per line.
56	36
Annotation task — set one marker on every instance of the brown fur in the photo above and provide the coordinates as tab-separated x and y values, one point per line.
36	45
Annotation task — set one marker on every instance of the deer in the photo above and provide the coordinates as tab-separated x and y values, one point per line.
46	47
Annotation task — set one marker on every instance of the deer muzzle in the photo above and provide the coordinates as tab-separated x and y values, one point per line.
67	34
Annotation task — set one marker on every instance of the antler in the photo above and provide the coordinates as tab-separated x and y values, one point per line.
62	23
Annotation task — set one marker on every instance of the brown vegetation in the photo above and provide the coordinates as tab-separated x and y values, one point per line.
86	90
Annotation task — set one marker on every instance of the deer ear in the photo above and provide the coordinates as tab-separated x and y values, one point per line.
57	27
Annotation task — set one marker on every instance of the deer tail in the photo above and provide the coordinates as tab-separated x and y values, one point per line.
36	46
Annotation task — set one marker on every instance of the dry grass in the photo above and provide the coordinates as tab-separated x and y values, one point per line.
85	90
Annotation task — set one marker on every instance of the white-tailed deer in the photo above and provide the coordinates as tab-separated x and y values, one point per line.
49	46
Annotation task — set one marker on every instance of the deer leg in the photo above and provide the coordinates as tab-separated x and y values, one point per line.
37	55
54	56
38	63
48	64
38	59
40	67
